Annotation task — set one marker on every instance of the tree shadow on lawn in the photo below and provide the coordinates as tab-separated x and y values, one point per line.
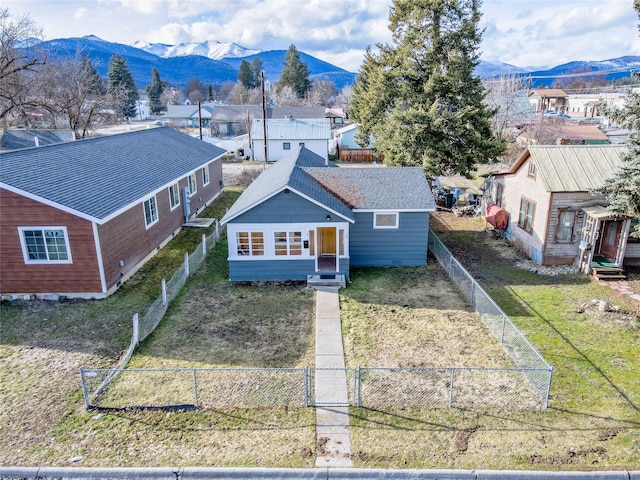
581	355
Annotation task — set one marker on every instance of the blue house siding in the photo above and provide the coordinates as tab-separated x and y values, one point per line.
270	270
404	246
284	208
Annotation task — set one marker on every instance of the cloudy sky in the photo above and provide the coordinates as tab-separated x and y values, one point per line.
520	32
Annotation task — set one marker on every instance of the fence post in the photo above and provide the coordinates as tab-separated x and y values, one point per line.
546	397
85	394
136	329
195	388
453	376
359	385
306	386
217	229
504	320
186	264
164	291
204	244
472	299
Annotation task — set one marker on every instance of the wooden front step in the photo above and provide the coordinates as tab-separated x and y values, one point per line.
608	273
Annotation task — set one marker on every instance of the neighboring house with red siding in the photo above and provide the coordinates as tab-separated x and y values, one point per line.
79	218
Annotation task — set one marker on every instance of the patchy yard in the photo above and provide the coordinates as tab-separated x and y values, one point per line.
43	344
593	420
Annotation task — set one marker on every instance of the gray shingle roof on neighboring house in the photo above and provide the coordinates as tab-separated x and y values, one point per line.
339	189
100	176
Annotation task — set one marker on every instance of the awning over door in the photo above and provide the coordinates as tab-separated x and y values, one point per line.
598	212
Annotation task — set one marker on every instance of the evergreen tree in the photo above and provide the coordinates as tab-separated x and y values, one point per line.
295	73
418	96
245	75
96	85
209	93
122	88
256	67
623	189
154	92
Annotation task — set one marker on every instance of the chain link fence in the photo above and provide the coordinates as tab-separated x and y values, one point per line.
524	355
143	326
205	388
524	387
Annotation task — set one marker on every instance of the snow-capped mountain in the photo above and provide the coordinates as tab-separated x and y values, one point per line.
210	49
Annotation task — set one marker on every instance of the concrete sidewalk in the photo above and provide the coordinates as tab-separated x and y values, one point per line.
333	434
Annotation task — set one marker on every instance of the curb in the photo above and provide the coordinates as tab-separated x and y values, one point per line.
194	473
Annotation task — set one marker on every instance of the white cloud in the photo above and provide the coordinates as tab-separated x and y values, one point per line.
79	14
521	32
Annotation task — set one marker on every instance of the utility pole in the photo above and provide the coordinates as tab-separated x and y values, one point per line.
264	116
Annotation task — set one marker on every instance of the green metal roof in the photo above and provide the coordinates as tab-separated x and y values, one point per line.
575	168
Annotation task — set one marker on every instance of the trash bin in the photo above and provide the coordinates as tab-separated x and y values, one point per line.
450	199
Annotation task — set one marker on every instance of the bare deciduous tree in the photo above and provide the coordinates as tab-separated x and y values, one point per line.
74	90
286	97
20	61
323	93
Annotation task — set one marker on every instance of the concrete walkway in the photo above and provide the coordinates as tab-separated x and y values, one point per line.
333	442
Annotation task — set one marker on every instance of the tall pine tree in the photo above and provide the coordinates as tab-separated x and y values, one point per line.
246	75
154	92
418	96
122	88
295	73
623	190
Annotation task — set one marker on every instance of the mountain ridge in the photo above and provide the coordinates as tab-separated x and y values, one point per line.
177	64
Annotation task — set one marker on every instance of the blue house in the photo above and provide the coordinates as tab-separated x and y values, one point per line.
305	217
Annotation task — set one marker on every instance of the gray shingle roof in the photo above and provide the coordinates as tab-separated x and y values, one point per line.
99	176
285	173
383	188
339	189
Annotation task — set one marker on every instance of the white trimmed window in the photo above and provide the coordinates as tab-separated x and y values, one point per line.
193	184
286	145
385	220
288	243
250	243
150	211
205	175
45	244
174	195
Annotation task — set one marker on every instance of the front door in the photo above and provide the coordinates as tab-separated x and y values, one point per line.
327	250
610	239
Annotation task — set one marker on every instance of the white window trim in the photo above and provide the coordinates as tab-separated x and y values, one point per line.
206	178
268	232
144	212
386	227
177	195
25	250
191	177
